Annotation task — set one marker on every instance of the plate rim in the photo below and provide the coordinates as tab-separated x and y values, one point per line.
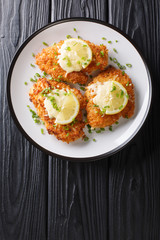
24	133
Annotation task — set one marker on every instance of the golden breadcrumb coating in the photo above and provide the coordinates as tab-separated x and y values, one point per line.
94	116
69	132
47	61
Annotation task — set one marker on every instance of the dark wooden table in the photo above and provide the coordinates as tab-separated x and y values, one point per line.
42	197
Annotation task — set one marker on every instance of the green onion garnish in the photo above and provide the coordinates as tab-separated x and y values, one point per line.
110	128
42	130
102	53
115	50
109	41
44	43
32	65
25	83
129	65
103	38
98	63
33	55
68	36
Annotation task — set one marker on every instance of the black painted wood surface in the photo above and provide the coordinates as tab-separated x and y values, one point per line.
42	197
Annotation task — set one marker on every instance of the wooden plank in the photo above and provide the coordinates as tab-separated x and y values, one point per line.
77	195
23	168
134	179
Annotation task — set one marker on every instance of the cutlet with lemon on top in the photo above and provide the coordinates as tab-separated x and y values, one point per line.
72	59
110	95
60	107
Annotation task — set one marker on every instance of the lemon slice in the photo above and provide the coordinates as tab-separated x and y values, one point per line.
61	105
111	97
75	54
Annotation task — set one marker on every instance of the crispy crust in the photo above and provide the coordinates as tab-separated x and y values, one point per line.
47	61
95	119
75	130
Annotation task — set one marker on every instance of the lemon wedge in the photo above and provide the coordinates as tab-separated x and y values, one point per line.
61	105
111	97
75	54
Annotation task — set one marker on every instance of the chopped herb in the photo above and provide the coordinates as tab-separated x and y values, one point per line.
74	29
54	69
109	41
95	105
129	65
51	78
84	45
83	58
44	73
33	80
68	36
69	64
38	75
68	48
115	60
32	65
113	89
87	100
127	95
82	88
34	115
107	106
98	63
78	62
116	41
111	58
85	63
56	94
98	131
88	60
25	83
60	76
127	84
86	138
126	116
54	125
44	43
79	37
45	91
56	57
103	38
42	130
66	128
115	50
122	93
117	94
94	140
123	72
120	107
116	122
33	55
55	53
110	128
101	44
90	76
102	53
102	129
67	134
64	58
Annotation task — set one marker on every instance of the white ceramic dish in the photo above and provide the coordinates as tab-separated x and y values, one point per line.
107	142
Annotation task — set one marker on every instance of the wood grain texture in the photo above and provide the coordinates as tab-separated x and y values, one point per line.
77	195
134	173
23	181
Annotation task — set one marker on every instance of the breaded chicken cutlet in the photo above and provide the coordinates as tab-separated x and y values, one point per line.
69	132
94	116
47	61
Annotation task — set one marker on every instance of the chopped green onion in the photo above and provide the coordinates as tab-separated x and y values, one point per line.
84	45
94	140
116	122
122	93
95	105
129	65
68	48
66	128
32	65
111	58
82	88
25	83
103	38
67	134
98	131
109	41
74	29
102	53
42	130
127	84
98	63
115	50
86	138
102	129
123	72
116	41
79	37
115	60
33	80
110	128
68	36
38	75
44	43
33	55
113	89
120	107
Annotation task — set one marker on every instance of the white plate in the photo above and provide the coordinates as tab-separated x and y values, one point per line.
107	142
